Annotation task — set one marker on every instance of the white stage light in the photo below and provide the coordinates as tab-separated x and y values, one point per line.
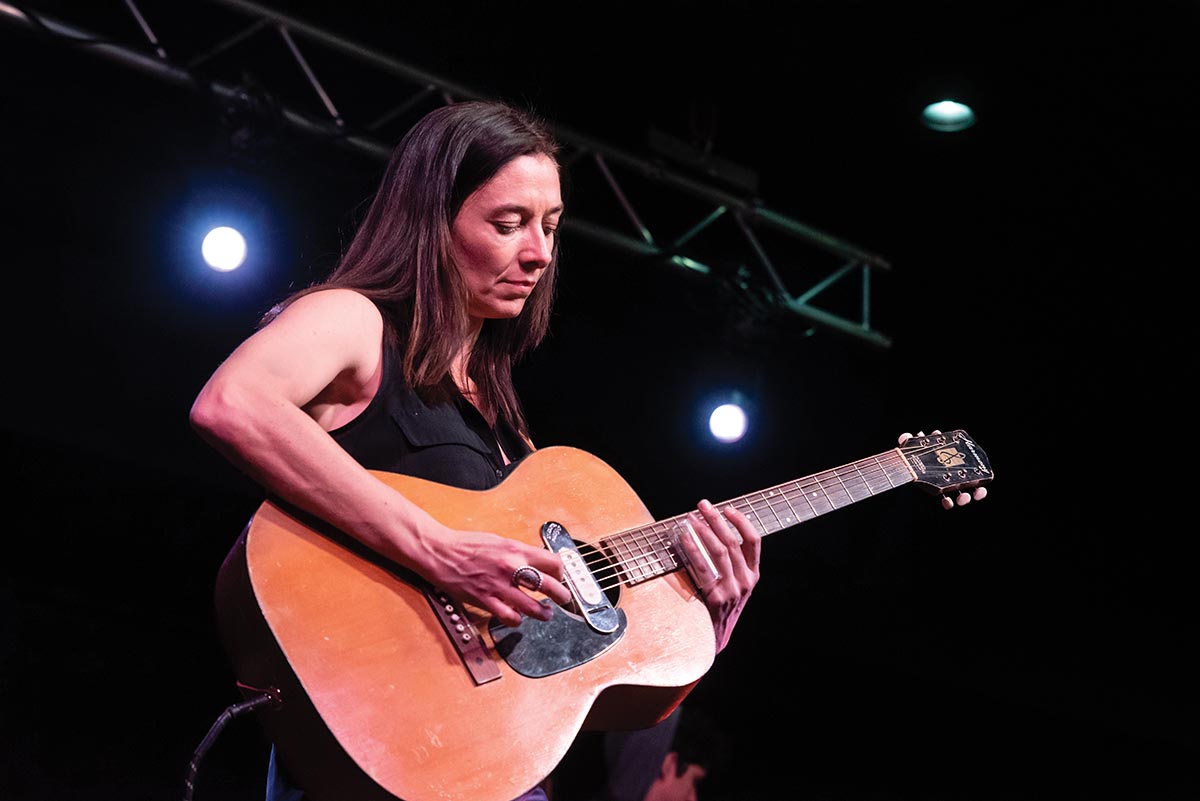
727	422
224	249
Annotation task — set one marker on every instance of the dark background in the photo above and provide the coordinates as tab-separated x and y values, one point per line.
1038	644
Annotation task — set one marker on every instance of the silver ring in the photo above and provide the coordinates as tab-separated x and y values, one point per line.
528	577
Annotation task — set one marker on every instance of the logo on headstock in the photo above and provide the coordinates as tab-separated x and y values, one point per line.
950	457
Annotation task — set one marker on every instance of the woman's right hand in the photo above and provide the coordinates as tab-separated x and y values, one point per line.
480	568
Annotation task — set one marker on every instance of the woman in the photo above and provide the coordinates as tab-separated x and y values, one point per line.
402	361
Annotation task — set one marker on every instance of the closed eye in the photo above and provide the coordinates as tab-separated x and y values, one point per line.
508	230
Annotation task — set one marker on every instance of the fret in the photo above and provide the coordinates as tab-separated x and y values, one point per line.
779	524
749	511
643	553
844	493
664	554
829	505
803	495
792	517
645	564
897	471
863	485
794	502
623	554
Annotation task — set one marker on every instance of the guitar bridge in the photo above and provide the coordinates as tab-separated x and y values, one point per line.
465	637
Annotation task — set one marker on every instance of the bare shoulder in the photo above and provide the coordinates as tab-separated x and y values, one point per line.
334	314
343	303
324	350
327	332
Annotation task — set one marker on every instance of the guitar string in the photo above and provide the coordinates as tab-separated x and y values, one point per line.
648	551
657	555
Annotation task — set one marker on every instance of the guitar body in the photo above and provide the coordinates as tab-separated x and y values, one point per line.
376	702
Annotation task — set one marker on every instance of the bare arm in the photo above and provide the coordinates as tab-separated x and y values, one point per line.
267	409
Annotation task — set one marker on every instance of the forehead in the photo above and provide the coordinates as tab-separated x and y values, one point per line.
530	183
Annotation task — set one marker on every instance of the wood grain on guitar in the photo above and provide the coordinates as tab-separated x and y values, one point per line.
377	701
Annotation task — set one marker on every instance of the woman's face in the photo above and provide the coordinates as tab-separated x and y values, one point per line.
503	236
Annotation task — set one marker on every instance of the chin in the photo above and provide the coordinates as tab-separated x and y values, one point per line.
502	311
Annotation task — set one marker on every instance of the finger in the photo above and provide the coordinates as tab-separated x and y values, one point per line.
527	602
697	555
548	566
503	612
532	607
751	544
718	549
534	582
553	585
720	525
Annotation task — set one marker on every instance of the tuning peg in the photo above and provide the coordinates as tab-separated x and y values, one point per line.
980	493
947	503
963	499
906	436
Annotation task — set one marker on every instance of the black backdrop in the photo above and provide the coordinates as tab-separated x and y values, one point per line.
1033	645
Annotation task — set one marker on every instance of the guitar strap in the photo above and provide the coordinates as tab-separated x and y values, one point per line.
462	632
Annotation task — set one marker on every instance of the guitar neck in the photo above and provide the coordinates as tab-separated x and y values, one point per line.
787	504
647	552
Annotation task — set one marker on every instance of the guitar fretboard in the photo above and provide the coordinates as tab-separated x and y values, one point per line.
646	552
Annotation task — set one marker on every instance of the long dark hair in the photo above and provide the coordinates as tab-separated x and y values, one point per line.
399	256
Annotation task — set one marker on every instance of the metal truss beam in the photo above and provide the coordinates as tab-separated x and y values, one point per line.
726	236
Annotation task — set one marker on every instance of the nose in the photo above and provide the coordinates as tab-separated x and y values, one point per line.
537	248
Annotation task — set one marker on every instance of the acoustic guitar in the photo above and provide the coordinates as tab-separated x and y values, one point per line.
386	688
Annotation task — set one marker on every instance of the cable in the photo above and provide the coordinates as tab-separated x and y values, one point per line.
267	696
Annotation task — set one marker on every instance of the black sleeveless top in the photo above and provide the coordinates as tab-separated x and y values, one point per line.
450	443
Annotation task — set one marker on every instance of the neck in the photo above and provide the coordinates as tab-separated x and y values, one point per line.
458	370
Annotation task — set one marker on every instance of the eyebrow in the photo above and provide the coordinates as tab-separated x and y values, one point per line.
517	208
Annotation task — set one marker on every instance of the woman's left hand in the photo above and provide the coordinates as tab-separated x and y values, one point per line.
734	546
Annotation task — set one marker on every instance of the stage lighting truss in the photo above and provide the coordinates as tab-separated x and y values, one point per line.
329	87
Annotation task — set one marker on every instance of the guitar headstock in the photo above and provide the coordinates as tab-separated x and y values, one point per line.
947	462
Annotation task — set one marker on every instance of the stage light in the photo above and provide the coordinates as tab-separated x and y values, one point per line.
948	116
727	422
224	249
